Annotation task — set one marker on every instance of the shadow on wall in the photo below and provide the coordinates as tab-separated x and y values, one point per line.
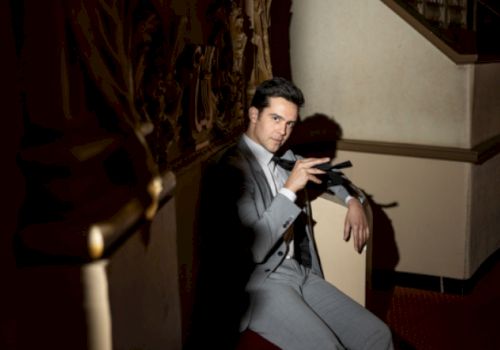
317	136
385	251
384	257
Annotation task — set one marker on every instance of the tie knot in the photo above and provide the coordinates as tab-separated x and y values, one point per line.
284	163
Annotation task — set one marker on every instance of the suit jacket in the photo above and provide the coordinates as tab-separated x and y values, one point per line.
263	217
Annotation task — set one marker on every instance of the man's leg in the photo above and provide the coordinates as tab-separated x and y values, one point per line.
280	314
356	327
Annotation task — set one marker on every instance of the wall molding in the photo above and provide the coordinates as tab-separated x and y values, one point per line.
476	155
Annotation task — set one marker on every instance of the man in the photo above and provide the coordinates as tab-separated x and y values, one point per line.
290	303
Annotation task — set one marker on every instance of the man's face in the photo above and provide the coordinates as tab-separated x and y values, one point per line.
273	126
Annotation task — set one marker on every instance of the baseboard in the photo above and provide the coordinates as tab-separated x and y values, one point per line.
386	279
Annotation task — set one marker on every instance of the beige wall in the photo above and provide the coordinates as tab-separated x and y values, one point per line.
445	222
429	216
376	76
359	63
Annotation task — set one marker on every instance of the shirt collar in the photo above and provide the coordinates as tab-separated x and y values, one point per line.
263	155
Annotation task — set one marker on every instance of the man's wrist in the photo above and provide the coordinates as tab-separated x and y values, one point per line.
288	193
361	199
348	199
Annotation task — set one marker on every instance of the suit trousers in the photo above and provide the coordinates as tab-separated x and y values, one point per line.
298	310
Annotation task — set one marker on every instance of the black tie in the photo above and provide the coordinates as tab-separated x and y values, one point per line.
301	242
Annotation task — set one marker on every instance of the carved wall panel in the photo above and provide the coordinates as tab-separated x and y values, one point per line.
115	93
195	90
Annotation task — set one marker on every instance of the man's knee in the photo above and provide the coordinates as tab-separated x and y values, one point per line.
381	338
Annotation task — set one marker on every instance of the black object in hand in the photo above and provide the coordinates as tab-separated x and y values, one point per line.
335	177
328	166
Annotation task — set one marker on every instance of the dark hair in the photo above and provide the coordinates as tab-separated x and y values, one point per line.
276	87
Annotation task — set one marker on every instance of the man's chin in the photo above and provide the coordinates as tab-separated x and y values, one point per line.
274	148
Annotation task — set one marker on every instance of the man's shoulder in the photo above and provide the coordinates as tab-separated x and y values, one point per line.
232	155
225	163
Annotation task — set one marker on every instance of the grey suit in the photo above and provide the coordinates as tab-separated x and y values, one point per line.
292	305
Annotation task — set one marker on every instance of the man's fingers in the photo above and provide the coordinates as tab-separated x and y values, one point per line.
347	231
356	237
315	179
304	171
362	238
311	162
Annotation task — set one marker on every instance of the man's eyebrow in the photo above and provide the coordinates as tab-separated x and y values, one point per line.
283	118
280	117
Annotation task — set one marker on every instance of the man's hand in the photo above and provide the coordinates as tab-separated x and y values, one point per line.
356	224
303	172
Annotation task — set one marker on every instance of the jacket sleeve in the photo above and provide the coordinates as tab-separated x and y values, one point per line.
343	192
262	227
267	225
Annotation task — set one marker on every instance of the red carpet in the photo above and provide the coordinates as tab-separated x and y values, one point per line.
425	320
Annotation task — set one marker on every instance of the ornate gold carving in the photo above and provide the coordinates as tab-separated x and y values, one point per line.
238	37
259	13
193	93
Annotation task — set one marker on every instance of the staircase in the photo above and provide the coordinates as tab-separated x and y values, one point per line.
469	27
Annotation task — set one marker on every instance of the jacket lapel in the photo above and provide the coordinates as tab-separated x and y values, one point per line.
257	173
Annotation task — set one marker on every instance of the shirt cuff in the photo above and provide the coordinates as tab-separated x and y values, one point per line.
347	199
288	193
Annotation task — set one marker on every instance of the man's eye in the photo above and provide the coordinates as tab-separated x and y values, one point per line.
276	118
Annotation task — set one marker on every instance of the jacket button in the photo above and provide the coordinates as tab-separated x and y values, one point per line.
267	270
280	253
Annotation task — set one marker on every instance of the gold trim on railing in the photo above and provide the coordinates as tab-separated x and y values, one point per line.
90	241
155	187
95	242
102	235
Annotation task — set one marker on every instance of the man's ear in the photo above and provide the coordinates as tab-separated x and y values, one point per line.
253	114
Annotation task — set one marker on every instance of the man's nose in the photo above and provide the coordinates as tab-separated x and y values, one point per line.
282	128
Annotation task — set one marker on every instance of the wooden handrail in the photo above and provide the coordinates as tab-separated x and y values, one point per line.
83	241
